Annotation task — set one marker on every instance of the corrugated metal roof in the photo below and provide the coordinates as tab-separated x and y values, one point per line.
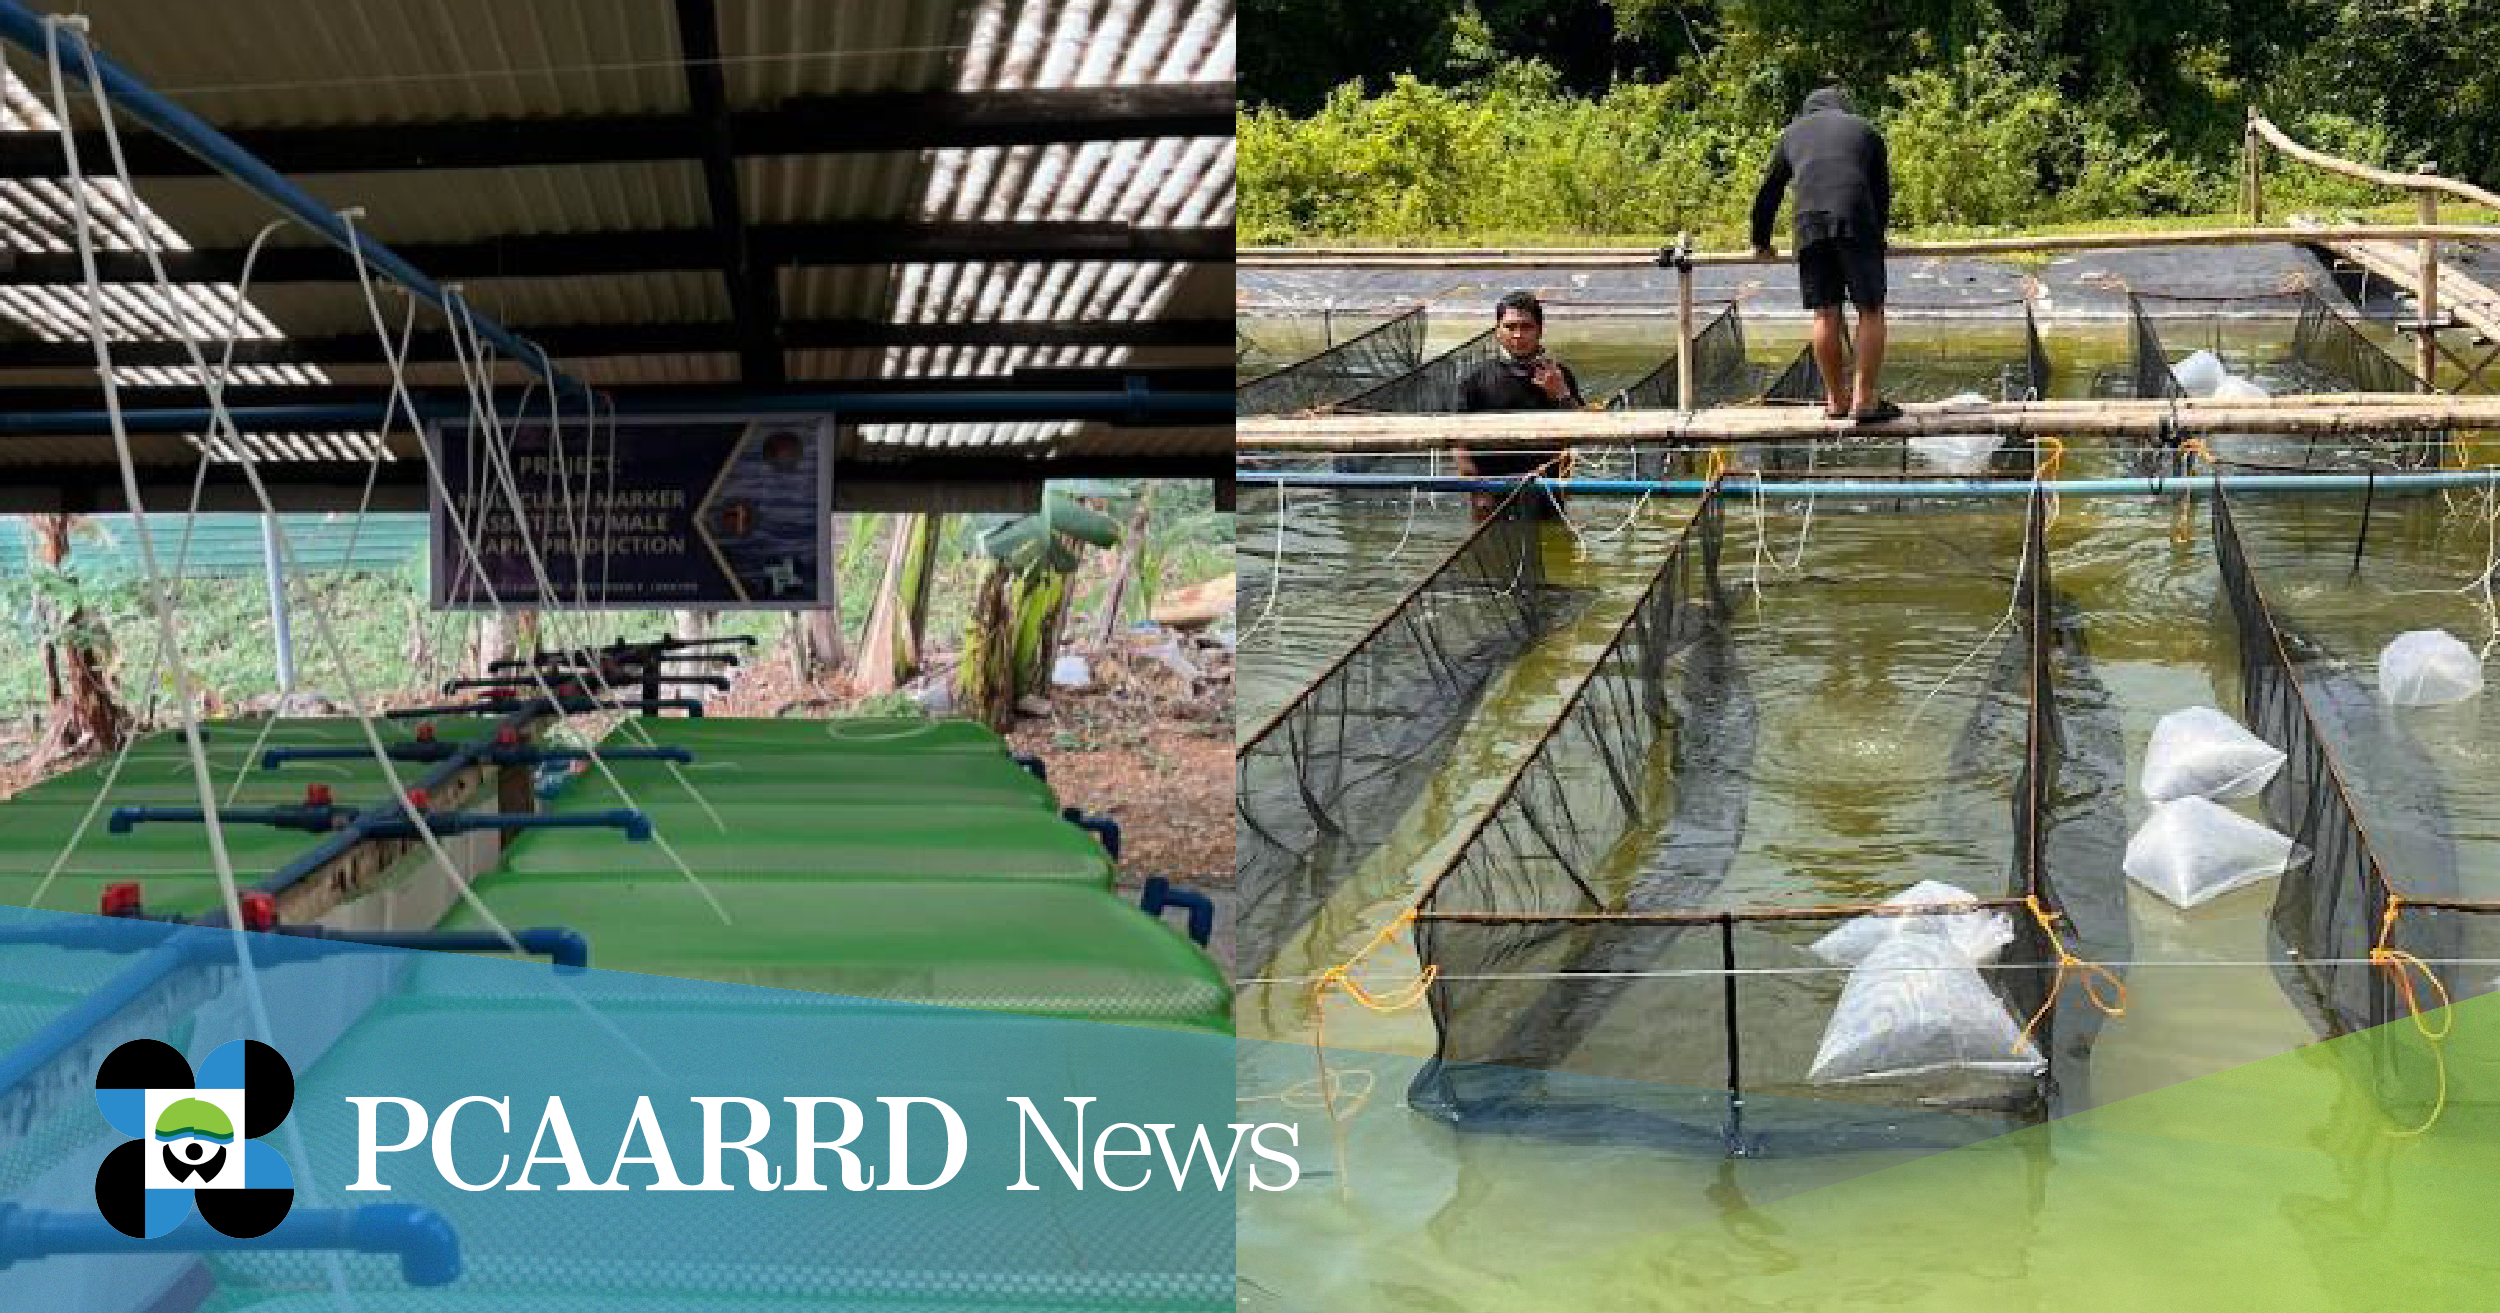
1016	44
261	63
272	63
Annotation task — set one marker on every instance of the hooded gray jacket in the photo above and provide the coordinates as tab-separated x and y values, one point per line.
1842	175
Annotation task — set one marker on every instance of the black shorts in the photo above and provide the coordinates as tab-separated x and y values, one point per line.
1840	269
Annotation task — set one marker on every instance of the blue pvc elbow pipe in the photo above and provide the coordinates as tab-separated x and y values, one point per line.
1101	827
423	1240
1161	893
561	945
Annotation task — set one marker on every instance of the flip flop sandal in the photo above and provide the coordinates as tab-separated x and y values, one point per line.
1880	413
1836	414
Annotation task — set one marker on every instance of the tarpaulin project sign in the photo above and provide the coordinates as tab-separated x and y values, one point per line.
716	513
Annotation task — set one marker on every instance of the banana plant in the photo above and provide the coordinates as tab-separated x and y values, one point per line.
1023	597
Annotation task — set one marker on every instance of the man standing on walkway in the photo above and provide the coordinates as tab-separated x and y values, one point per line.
1844	201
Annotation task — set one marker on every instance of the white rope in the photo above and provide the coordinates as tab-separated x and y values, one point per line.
1275	566
489	434
498	456
2022	566
168	634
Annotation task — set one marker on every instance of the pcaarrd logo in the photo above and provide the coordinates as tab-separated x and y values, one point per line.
195	1139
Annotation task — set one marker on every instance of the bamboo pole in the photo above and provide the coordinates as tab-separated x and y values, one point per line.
1633	257
2426	341
2414	182
1544	430
2253	173
1683	333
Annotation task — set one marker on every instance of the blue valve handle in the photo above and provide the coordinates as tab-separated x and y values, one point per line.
1161	893
1102	827
1034	764
314	820
427	1247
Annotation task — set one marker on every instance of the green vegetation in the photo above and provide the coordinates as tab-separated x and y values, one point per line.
396	646
1478	121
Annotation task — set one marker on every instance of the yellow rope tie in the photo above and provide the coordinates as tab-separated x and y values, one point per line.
2094	975
1717	467
2045	474
2400	967
1341	977
2195	447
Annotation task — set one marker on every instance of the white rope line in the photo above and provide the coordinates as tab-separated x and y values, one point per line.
489	434
167	632
498	455
401	399
130	740
1587	537
1275	566
2022	567
499	452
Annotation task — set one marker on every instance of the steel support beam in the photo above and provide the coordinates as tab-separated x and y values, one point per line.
812	125
662	250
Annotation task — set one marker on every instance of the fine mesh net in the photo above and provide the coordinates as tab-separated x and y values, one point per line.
1352	366
1586	989
1320	783
1431	388
2323	351
2384	879
1721	374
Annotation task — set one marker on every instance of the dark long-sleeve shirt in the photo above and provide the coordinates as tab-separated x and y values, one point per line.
1842	174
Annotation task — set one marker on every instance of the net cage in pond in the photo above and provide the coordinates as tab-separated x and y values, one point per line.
1355	365
1321	782
1722	374
2372	929
1431	388
2325	352
1583	990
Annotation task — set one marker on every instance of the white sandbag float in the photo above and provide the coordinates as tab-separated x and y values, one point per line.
2193	851
2199	373
1980	934
1957	453
1916	1010
2199	752
2428	668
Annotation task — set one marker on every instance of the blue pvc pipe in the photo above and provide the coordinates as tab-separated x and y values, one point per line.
1139	406
1745	485
1101	827
564	947
1161	893
427	1247
25	28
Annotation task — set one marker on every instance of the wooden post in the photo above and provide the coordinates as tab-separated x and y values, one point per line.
2426	347
1683	330
2248	171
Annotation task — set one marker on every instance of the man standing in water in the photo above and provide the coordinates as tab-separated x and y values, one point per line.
1520	376
1844	201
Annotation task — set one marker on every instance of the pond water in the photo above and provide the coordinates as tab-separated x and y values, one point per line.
1867	631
